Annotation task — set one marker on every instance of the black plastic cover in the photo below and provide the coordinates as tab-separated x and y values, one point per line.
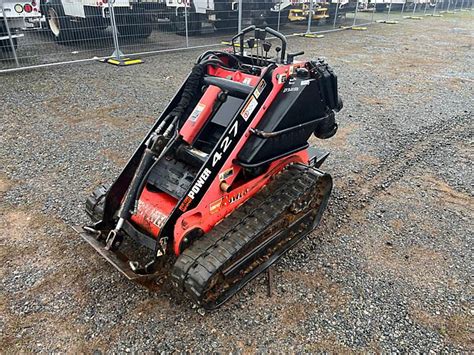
302	101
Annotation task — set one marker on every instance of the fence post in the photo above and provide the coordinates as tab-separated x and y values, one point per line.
355	13
373	11
462	4
335	14
426	6
434	8
279	13
240	17
10	38
414	9
186	22
310	16
403	8
117	52
389	9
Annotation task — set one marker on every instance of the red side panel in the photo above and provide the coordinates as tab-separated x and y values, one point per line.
216	206
153	210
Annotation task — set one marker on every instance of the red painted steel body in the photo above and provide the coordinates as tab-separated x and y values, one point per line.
154	207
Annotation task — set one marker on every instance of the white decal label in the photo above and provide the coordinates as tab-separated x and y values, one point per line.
196	112
281	78
249	108
150	214
294	88
305	82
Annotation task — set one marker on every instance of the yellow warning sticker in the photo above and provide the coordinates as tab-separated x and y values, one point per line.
214	206
258	90
226	173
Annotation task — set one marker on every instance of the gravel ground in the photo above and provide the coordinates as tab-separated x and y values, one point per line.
389	269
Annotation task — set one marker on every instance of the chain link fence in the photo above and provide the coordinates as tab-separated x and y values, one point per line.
37	33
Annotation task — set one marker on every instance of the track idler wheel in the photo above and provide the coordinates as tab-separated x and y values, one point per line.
95	203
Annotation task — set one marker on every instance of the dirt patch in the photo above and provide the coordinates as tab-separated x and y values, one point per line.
457	328
397	224
341	139
36	328
76	113
447	195
108	114
15	225
295	313
114	156
37	264
408	263
5	184
317	283
376	101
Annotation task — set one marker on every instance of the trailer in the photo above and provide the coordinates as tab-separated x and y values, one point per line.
15	17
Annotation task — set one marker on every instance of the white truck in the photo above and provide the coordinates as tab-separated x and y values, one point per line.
68	19
73	19
396	5
14	17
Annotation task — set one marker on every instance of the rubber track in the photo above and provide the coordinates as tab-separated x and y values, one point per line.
210	254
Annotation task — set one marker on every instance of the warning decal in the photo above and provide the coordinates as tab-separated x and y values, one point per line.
196	112
214	206
225	174
258	90
249	108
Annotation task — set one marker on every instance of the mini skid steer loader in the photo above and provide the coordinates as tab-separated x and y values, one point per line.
225	181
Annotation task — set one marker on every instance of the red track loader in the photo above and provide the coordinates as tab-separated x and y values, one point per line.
225	182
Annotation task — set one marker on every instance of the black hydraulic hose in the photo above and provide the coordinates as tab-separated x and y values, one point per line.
150	169
145	163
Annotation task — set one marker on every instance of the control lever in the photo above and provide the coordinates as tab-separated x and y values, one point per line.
260	35
251	44
266	47
278	50
291	56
